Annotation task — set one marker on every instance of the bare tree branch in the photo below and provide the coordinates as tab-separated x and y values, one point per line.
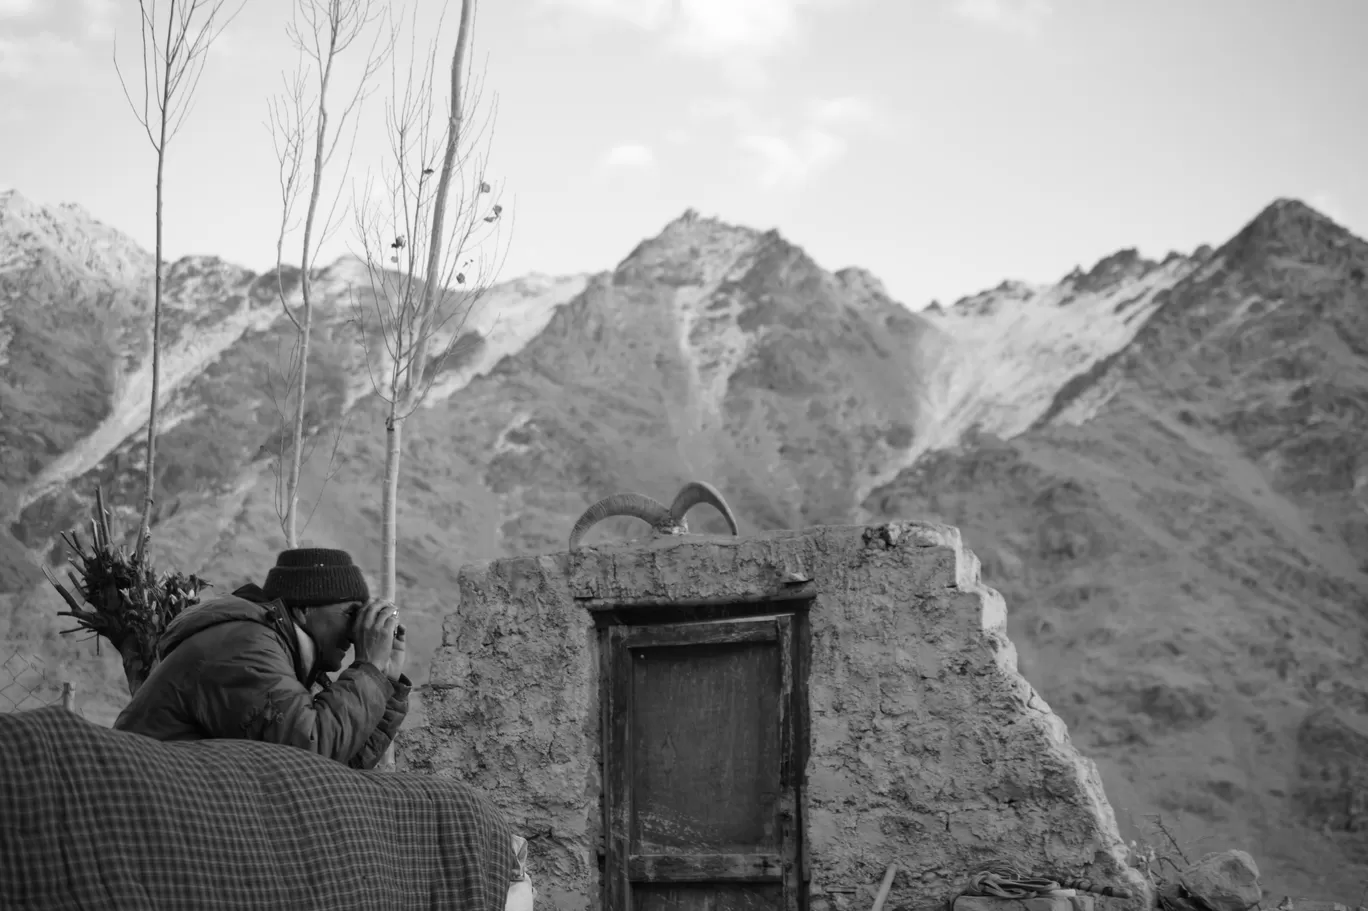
430	232
301	121
166	61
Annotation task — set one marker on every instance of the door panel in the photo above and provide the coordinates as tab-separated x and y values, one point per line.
705	771
700	794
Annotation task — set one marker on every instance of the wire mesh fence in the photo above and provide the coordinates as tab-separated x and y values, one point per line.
27	682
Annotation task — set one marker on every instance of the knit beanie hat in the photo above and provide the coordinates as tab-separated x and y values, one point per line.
314	576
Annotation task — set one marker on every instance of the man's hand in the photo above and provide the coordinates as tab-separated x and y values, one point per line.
398	654
374	635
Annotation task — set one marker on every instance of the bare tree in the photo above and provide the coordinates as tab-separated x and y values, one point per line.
320	30
441	265
172	65
431	247
125	600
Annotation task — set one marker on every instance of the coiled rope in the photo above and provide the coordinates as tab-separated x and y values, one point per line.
1014	884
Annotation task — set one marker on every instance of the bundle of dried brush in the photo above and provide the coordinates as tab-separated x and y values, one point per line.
125	600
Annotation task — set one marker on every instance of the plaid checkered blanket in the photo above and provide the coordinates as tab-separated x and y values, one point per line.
96	818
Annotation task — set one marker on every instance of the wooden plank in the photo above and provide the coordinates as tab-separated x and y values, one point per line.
705	748
705	868
802	729
798	592
788	772
651	614
784	635
617	700
707	897
711	633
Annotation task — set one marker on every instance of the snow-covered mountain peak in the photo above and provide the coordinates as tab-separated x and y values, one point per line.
1117	267
28	229
691	250
1018	344
862	284
1023	342
987	303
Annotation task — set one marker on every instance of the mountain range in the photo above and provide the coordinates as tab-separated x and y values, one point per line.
1163	466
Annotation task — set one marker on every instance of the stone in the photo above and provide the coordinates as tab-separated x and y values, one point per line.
1224	880
1333	788
1173	897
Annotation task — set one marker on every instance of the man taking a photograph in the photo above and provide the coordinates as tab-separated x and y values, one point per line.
252	665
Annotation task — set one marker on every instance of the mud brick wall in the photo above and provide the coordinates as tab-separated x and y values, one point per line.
927	748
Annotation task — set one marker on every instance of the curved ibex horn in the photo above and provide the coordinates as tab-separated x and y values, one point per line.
619	504
696	492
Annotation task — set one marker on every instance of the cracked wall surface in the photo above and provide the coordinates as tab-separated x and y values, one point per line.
927	748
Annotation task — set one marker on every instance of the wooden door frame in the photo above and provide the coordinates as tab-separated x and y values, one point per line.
616	688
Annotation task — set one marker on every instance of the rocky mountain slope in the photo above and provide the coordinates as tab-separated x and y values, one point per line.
1160	463
1182	539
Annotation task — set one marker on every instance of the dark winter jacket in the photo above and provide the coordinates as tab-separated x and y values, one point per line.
231	667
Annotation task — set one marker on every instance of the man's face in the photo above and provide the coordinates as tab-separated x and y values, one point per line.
331	628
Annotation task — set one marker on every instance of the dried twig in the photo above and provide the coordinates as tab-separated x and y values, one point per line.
1159	824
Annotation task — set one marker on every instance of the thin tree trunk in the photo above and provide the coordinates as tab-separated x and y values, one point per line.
389	535
394	426
418	366
405	400
151	474
297	434
306	323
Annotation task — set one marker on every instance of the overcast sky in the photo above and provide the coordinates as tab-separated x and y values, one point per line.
943	144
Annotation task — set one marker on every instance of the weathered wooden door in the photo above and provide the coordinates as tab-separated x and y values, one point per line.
701	791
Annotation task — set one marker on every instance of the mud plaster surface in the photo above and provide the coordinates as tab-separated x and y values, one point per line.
927	749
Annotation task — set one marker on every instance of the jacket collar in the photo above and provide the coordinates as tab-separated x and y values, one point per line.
297	642
308	652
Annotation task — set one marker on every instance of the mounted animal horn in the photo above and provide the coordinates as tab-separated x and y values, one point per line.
620	504
694	493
